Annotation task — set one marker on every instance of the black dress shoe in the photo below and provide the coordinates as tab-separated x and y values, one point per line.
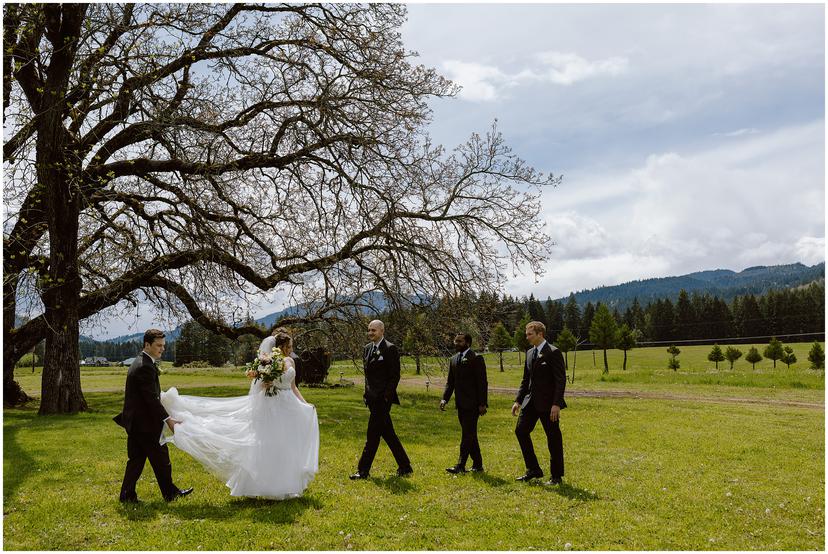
358	475
529	475
554	481
477	469
456	469
179	493
404	471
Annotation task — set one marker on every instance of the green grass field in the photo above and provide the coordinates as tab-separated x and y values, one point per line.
642	473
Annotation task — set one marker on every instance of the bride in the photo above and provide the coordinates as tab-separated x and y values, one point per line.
258	445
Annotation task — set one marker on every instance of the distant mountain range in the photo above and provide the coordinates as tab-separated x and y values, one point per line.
724	283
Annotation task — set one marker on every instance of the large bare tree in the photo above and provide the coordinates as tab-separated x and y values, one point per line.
195	155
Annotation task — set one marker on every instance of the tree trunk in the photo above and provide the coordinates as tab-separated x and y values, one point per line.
13	395
606	365
417	363
624	367
501	361
61	387
59	172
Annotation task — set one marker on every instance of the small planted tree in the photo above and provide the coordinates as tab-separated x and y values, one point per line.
753	357
817	356
626	339
521	343
417	341
716	355
673	363
567	343
788	356
500	341
602	331
773	351
732	354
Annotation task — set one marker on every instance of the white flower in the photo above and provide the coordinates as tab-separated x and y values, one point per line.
568	546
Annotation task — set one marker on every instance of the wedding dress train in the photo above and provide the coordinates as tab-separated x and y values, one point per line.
258	445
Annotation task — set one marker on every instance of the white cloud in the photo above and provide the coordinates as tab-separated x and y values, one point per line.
566	68
755	199
481	82
738	132
810	250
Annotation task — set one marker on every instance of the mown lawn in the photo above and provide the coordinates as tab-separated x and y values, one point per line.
640	474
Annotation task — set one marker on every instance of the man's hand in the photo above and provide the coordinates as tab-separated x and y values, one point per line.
555	414
482	410
442	405
515	409
171	423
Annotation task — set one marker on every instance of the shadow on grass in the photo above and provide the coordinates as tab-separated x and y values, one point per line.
489	479
254	509
572	492
22	466
393	484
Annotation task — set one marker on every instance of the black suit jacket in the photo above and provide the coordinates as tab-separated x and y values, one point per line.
544	379
467	379
142	412
381	376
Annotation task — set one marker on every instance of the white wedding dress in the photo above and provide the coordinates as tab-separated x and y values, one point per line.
258	445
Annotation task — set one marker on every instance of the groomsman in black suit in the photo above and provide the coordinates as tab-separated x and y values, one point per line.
467	379
143	417
541	396
381	362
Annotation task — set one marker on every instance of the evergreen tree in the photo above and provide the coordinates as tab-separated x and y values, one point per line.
602	331
554	318
572	315
500	341
753	357
788	356
673	363
626	339
586	320
752	321
773	351
716	355
817	356
732	354
536	311
685	321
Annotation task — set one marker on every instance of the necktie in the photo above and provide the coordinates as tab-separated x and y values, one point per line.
534	354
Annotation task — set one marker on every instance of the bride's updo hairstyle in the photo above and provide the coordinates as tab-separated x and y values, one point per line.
282	340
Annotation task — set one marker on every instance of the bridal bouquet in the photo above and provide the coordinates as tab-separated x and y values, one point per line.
267	368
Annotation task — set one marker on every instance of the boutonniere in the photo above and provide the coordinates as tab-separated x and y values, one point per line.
464	360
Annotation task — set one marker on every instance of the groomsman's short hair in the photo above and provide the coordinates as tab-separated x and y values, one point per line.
151	334
537	327
467	337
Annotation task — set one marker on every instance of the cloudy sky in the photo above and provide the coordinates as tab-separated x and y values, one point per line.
690	137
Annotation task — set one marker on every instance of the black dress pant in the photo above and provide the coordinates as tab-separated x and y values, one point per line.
381	427
468	441
554	441
141	446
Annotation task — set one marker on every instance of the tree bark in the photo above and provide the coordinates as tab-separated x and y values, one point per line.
60	386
